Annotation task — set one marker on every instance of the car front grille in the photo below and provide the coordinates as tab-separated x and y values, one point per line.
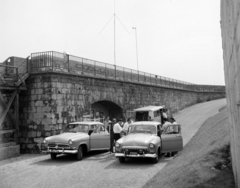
135	150
58	146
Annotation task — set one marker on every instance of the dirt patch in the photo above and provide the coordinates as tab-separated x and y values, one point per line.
223	157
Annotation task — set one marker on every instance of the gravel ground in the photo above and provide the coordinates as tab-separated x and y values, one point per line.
97	169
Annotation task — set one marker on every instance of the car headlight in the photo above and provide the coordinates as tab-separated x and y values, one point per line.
70	141
151	145
45	141
117	145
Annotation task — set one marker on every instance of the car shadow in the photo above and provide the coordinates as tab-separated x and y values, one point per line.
65	159
60	160
135	163
102	157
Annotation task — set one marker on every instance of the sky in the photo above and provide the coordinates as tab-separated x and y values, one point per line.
178	39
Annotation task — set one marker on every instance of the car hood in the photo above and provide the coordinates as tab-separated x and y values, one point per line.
65	137
137	139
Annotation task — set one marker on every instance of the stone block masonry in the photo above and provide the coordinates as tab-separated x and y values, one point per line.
55	99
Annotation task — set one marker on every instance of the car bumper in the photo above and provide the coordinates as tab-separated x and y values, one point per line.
57	151
136	156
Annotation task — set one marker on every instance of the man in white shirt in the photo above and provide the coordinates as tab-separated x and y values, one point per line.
165	126
117	129
176	129
126	125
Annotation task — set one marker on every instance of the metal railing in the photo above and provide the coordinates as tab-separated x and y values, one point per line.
60	62
15	72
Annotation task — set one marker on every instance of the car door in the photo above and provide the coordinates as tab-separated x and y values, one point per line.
171	142
100	138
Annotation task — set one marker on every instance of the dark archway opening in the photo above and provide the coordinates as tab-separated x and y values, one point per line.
104	108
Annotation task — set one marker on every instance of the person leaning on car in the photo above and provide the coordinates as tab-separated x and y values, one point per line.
176	129
165	126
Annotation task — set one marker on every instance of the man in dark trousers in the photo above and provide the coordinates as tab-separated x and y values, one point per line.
114	121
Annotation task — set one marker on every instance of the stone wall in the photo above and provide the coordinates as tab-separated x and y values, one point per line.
7	152
230	26
53	100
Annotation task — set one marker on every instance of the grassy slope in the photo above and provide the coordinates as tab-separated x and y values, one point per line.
198	165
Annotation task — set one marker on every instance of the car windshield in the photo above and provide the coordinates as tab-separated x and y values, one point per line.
74	128
142	129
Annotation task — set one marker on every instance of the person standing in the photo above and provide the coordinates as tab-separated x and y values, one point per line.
117	129
112	134
176	127
167	129
126	125
164	113
165	126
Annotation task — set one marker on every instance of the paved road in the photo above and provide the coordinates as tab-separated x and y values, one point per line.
97	169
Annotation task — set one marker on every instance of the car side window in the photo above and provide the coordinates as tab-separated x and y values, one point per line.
99	129
156	113
176	129
168	130
172	129
93	128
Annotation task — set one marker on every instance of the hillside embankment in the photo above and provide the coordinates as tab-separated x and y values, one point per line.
205	160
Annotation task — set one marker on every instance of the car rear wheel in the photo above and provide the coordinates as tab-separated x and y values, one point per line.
121	159
80	153
53	156
156	159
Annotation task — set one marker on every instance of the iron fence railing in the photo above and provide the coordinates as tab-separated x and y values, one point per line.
16	72
61	62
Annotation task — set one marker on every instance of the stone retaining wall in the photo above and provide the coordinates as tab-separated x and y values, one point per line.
53	100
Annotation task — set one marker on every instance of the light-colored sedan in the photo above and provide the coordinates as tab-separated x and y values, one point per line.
145	139
79	138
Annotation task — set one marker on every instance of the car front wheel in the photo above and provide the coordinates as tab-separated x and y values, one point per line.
53	156
121	159
80	153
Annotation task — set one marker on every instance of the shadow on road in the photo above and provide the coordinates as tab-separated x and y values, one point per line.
60	160
136	163
64	159
102	157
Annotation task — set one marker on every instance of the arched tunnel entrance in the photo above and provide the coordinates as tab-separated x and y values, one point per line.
104	108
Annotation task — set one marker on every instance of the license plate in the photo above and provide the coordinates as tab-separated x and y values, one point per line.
133	153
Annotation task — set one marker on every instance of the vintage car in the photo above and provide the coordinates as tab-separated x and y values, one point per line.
143	113
78	138
145	139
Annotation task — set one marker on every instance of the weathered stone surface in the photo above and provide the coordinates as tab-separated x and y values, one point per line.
9	152
230	26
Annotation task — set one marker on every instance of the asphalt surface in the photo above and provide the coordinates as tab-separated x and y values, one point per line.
97	169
